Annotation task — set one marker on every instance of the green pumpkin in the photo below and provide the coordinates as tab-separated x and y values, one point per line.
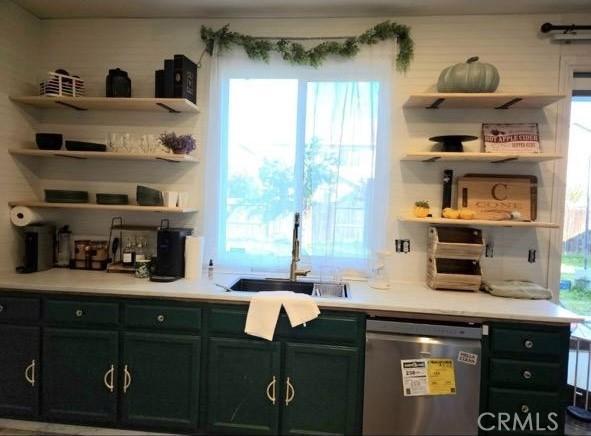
471	76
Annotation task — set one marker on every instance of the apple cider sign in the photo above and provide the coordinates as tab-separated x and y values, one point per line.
495	197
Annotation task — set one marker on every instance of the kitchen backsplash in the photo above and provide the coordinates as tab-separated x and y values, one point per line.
138	46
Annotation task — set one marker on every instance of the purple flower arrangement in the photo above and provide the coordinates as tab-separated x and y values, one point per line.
178	144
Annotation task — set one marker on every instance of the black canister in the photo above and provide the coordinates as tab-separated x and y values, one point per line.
118	83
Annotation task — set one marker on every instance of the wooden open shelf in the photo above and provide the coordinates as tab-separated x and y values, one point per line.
434	156
94	206
172	105
83	155
488	100
478	223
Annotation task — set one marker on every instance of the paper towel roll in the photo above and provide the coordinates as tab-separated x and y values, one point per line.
193	257
22	216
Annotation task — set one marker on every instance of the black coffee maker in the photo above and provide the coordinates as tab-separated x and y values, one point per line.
170	253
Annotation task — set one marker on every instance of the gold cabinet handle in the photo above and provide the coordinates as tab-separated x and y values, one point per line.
30	373
126	379
289	392
271	385
108	379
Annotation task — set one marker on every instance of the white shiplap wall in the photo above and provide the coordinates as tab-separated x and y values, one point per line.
20	37
526	62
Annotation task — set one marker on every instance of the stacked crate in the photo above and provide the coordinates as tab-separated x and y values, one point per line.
453	258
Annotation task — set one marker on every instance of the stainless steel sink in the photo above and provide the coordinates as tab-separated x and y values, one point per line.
315	289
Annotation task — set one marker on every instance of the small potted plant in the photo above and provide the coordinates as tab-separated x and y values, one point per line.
421	209
178	144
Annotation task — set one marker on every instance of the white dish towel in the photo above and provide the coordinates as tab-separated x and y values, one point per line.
300	308
264	308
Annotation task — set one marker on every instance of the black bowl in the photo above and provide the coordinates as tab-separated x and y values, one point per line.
49	141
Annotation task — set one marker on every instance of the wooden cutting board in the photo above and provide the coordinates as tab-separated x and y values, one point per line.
494	197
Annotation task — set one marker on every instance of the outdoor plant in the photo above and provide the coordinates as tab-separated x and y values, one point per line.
178	144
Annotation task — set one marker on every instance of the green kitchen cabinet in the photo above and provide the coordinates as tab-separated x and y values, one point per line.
524	377
19	370
159	381
243	386
322	389
79	375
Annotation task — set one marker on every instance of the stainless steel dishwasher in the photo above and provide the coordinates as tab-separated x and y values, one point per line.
399	405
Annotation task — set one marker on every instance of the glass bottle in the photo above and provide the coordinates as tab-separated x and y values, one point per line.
139	251
128	253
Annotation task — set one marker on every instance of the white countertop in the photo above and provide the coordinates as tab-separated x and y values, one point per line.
402	298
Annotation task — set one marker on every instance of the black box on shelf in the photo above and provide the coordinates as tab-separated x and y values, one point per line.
185	78
159	84
168	78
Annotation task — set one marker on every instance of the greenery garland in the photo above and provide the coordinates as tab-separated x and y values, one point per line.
296	53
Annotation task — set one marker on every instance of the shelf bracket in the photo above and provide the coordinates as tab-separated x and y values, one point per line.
71	106
70	157
168	160
509	159
509	103
168	108
436	104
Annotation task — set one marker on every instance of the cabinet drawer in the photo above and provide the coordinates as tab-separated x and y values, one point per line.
162	317
525	374
81	312
546	409
328	326
19	309
527	342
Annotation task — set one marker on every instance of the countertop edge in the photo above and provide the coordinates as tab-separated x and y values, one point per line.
328	304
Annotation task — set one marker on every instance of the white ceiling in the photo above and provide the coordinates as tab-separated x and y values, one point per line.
292	8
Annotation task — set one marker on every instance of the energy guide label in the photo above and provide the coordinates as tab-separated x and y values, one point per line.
428	377
414	377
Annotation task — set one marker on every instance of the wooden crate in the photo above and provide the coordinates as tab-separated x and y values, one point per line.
495	197
453	274
455	243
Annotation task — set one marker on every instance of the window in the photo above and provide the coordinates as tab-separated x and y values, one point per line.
297	142
575	274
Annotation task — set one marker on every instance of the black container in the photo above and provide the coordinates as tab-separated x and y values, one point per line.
102	198
159	84
49	141
185	78
168	79
85	146
118	83
65	196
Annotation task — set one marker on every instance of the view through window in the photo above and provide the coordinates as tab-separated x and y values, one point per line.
295	145
575	283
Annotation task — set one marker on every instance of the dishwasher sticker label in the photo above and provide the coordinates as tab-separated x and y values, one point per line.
467	358
441	377
414	377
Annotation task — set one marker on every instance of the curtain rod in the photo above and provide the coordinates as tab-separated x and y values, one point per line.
549	27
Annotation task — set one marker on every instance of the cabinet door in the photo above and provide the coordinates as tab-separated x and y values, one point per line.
80	375
243	386
160	380
19	371
322	390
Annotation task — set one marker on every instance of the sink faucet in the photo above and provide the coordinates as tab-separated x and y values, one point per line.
294	273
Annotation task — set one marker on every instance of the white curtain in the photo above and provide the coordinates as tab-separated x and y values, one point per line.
286	138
